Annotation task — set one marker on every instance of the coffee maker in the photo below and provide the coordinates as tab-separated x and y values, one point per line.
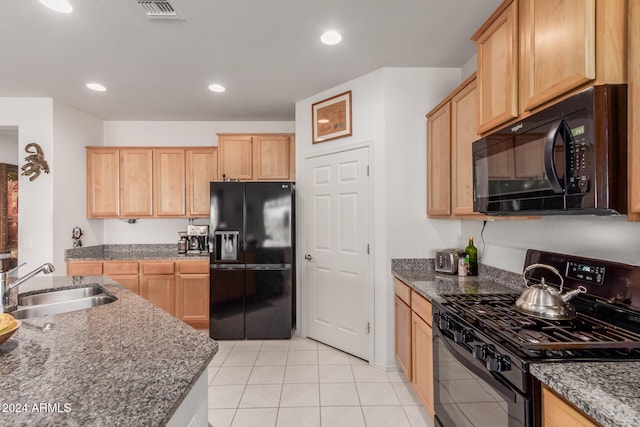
197	239
183	243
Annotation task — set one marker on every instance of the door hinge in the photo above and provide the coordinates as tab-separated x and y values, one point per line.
367	170
368	327
368	249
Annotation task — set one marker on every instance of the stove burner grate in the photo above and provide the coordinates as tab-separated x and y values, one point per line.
496	313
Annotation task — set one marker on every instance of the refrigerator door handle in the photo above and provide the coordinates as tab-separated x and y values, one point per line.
268	266
227	266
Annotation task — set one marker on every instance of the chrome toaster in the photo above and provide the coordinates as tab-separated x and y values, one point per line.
447	260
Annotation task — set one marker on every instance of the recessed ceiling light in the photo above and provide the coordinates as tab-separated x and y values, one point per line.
330	38
216	88
97	87
62	6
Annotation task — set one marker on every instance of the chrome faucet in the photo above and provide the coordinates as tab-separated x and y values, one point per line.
6	287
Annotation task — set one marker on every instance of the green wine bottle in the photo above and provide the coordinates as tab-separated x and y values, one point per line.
472	251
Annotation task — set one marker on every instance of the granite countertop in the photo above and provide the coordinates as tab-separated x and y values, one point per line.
124	363
606	391
129	252
421	276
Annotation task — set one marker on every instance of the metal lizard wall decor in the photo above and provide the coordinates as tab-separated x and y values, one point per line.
35	162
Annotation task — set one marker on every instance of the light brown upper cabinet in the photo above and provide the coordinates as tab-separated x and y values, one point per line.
235	157
260	157
532	53
634	110
451	131
272	157
464	131
103	182
136	182
169	185
202	168
149	182
439	161
565	45
497	53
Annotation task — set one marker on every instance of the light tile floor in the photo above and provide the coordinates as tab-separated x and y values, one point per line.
301	382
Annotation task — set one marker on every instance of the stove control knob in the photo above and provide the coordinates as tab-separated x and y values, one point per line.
498	363
462	336
445	323
480	351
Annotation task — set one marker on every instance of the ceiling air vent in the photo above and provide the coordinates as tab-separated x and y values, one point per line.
158	9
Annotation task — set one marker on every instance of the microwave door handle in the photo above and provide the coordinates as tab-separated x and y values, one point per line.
549	161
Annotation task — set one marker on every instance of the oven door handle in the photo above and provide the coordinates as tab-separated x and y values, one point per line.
469	362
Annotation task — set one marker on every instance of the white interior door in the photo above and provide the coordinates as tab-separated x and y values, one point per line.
336	218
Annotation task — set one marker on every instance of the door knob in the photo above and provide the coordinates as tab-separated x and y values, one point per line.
308	257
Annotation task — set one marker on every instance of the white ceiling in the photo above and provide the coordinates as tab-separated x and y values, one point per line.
266	53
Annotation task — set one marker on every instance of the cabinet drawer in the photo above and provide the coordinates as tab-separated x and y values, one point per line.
158	267
84	268
120	267
193	267
402	290
421	306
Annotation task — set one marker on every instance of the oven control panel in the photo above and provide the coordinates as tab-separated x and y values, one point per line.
589	273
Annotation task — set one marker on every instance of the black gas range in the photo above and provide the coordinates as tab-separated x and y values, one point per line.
483	346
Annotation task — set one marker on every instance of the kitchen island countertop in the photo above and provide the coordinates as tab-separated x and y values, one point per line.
124	363
606	391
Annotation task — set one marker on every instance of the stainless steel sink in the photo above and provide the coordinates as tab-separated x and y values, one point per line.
59	296
61	301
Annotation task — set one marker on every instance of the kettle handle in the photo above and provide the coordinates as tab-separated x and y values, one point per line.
548	267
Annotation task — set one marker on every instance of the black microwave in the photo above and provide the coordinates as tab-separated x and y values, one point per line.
570	158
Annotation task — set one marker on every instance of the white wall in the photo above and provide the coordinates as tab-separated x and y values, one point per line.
150	133
72	131
389	107
34	119
469	67
183	133
9	145
610	238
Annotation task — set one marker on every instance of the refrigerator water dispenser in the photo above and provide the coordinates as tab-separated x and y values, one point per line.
226	245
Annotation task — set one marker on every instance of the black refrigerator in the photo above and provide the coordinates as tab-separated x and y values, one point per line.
252	260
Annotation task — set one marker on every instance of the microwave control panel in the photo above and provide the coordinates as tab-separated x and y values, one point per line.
586	272
578	151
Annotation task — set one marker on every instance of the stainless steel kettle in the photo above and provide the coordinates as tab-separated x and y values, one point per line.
544	301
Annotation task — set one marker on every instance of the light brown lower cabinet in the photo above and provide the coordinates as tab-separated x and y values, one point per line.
84	268
180	287
422	354
124	272
413	341
192	293
556	412
403	326
158	284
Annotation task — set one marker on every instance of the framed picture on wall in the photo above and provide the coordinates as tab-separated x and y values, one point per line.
331	118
